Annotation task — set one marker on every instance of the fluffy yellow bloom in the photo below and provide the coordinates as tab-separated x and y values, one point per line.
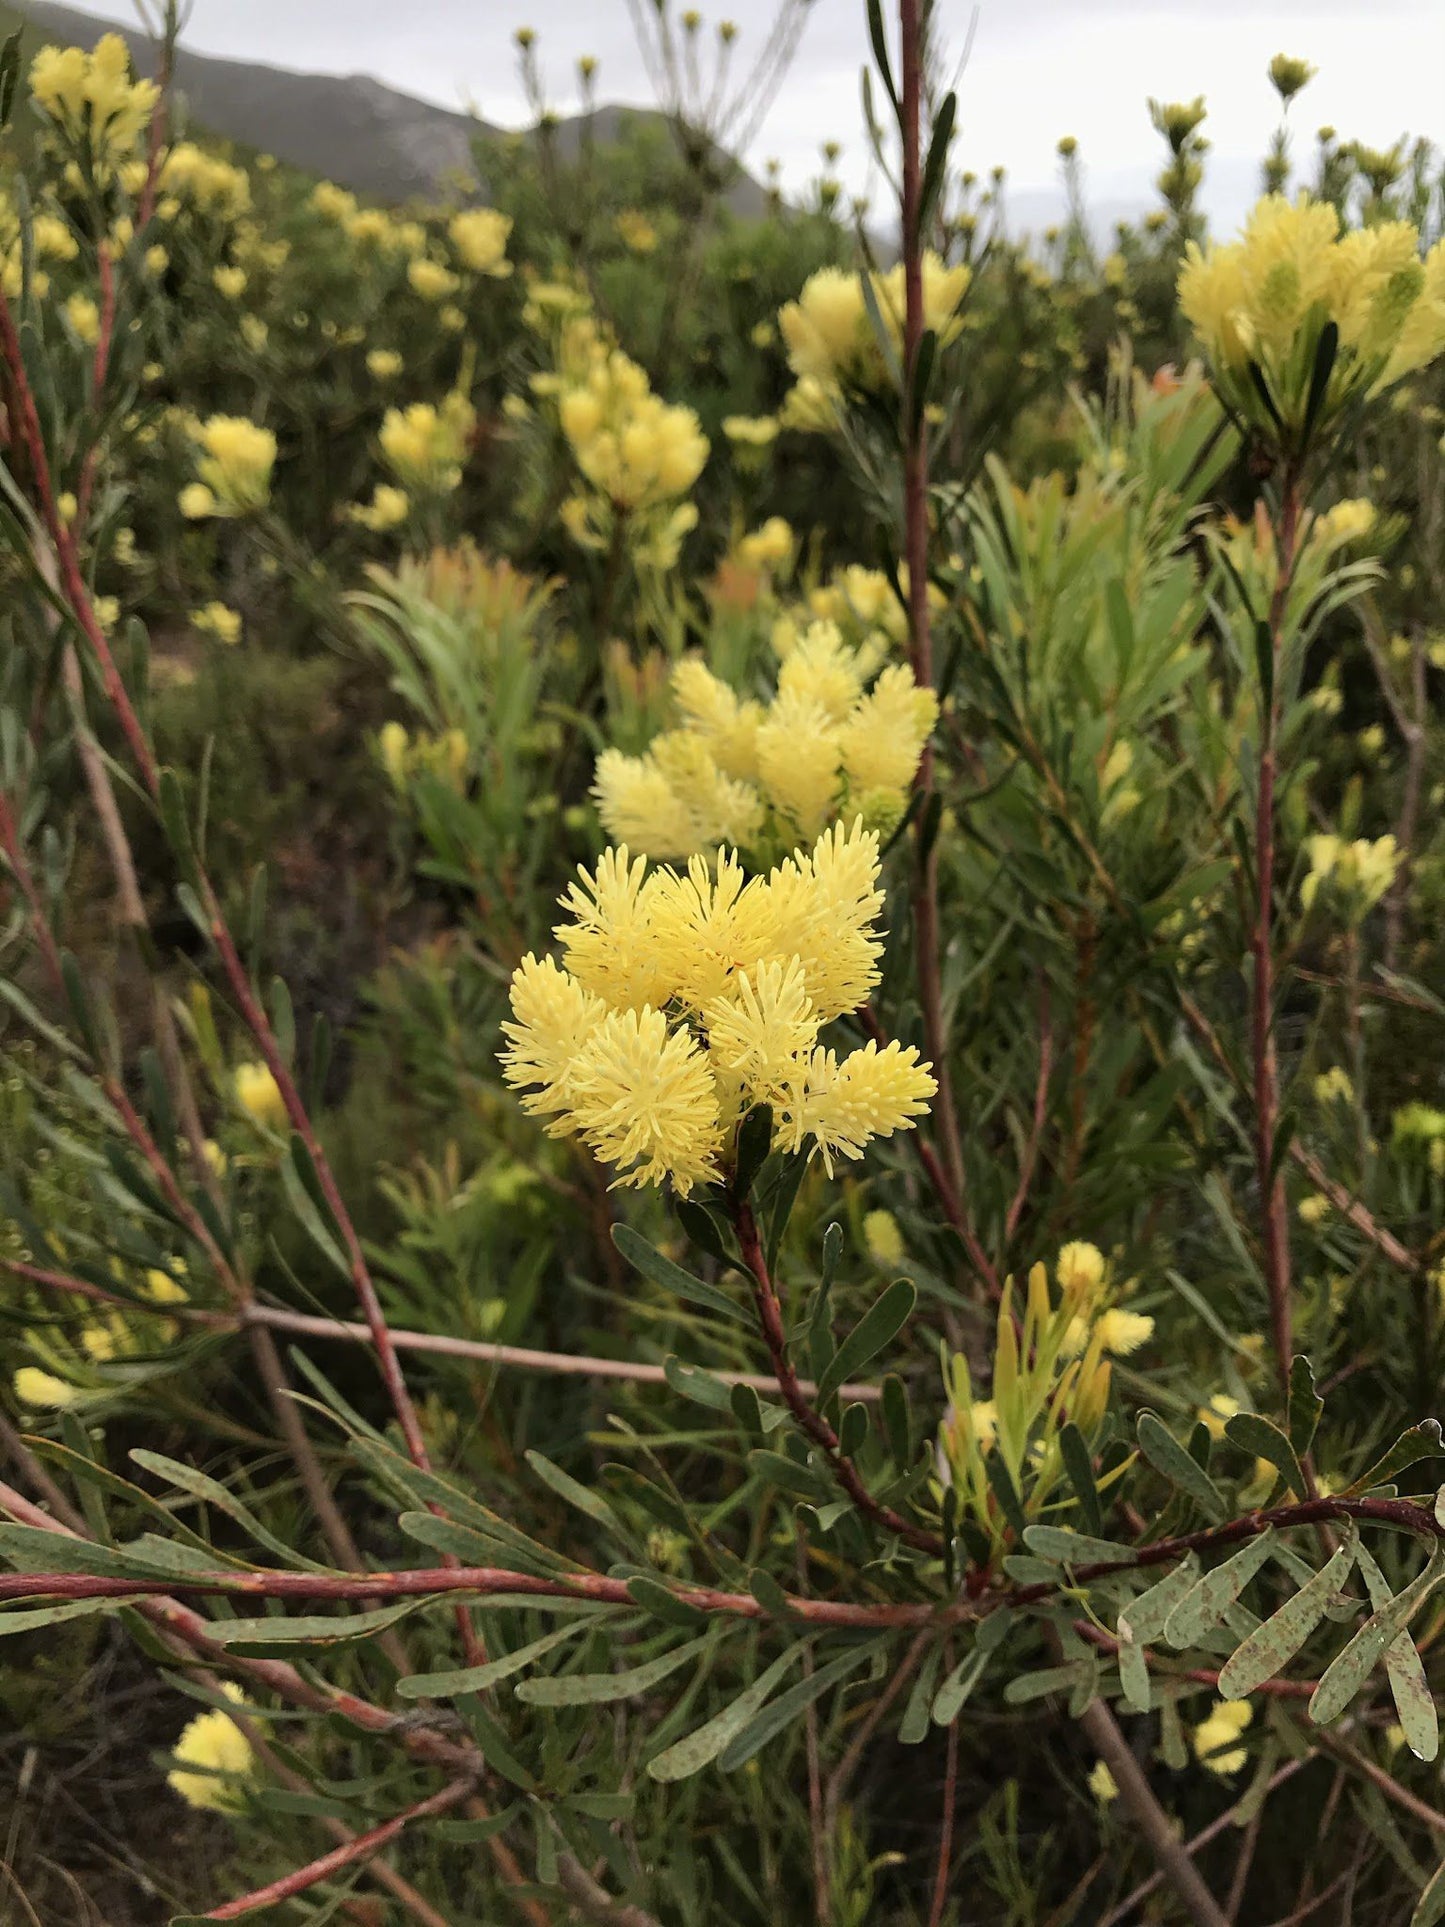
164	1287
480	236
334	202
84	317
636	232
883	739
1102	1784
883	1239
1265	300
236	466
829	336
218	620
800	758
1122	1332
43	1391
254	332
749	970
811	406
53	239
431	280
383	363
392	746
1079	1269
1359	873
214	1759
388	508
1334	1086
93	98
196	502
426	445
768	547
636	449
1314	1209
258	1094
231	282
751	431
211	185
1213	1737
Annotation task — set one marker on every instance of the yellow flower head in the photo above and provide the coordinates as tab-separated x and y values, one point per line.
214	1759
1213	1737
1079	1269
426	445
749	971
431	280
84	317
236	466
480	236
209	184
218	620
388	509
383	364
883	1239
43	1390
258	1095
93	98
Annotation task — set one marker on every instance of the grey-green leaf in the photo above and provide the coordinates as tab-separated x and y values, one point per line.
1385	1630
1167	1455
478	1679
1274	1644
703	1745
599	1689
1207	1602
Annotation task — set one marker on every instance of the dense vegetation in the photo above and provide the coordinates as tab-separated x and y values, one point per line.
722	1148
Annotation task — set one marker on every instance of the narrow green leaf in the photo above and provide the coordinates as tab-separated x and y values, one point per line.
33	1617
702	1746
578	1495
755	1140
663	1603
1064	1547
782	1711
878	1327
1386	1627
1208	1602
1006	1492
1079	1464
478	1679
915	1722
949	1700
313	1629
601	1689
662	1271
1430	1907
1167	1455
1273	1645
1305	1405
1263	1439
1422	1441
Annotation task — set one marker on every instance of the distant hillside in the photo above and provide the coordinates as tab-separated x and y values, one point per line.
352	129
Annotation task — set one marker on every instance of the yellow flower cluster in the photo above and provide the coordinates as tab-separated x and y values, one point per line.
688	998
636	232
431	280
1358	873
1263	302
106	1336
94	98
214	1759
383	364
1050	1367
217	619
235	469
425	444
210	184
735	771
638	454
443	757
388	509
828	333
480	236
1215	1737
259	1095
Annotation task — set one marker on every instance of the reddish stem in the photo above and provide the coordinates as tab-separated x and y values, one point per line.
362	1847
770	1317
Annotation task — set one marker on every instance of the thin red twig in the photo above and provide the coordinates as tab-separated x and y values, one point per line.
362	1847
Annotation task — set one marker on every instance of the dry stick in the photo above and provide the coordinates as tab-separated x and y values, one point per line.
1387	1784
1126	1913
358	1849
523	1358
945	1843
770	1317
1235	1899
1270	1179
915	517
1175	1865
593	1899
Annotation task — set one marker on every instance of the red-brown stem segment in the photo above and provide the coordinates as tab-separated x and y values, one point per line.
362	1847
770	1318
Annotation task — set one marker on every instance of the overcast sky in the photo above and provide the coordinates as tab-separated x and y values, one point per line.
1039	69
